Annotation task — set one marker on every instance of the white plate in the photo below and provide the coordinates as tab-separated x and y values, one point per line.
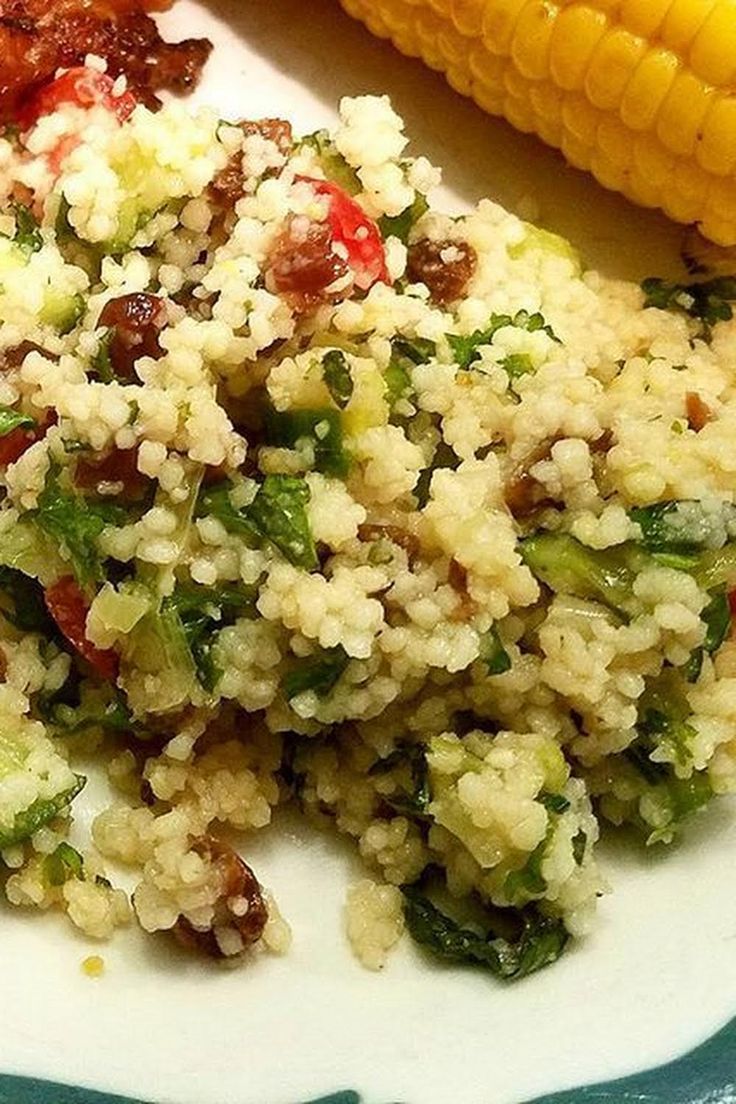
658	975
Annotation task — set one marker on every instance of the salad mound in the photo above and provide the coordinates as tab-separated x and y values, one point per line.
312	493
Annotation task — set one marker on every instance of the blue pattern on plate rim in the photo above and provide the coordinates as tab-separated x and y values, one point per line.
706	1075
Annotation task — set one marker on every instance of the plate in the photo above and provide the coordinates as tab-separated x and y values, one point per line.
656	978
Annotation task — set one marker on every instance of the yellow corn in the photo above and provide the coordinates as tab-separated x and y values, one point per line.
640	92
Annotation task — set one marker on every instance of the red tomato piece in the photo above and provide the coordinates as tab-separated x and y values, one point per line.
68	607
352	228
81	86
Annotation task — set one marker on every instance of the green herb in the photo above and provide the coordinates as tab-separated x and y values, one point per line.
717	618
579	843
415	802
528	881
405	354
25	608
554	803
110	714
321	428
336	374
216	501
28	822
62	864
101	363
541	941
11	419
202	611
64	230
516	365
400	226
662	533
664	724
493	653
466	349
444	457
75	524
569	567
710	301
27	230
319	673
417	350
279	512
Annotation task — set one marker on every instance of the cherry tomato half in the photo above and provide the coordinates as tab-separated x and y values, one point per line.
352	228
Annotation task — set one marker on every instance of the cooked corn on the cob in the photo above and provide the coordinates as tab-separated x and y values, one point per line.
640	92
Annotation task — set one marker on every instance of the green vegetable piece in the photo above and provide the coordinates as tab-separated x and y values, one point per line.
554	803
416	802
569	567
493	653
336	374
11	419
400	226
397	382
279	512
23	604
75	524
320	673
334	165
542	939
27	230
709	300
716	567
39	813
466	349
62	864
322	428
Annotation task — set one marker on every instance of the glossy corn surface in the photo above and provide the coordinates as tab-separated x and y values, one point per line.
642	93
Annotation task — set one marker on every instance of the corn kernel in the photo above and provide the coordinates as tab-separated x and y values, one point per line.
713	50
575	36
644	17
531	42
467	15
580	119
647	89
499	23
611	67
681	115
683	21
716	150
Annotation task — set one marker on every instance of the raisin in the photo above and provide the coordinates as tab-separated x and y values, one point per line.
302	264
444	267
238	885
136	321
